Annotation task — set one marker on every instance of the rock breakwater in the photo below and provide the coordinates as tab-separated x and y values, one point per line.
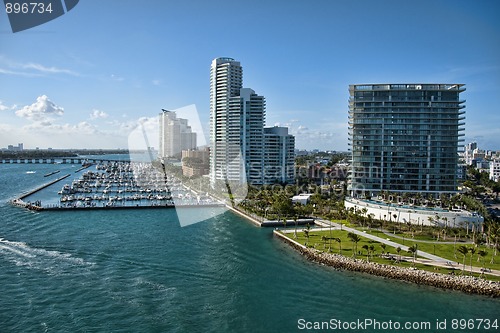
467	284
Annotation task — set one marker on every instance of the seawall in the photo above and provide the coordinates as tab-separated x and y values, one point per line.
467	284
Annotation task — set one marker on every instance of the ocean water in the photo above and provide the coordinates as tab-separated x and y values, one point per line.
140	271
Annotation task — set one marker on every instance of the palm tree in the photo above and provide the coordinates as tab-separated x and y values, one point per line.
472	250
364	210
306	233
398	249
482	254
413	250
330	245
372	249
355	239
463	250
455	233
324	239
296	223
383	246
337	239
367	251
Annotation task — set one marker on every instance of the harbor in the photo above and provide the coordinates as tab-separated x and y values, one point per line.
115	185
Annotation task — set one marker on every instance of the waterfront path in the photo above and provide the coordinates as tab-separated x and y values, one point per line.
424	241
428	259
326	224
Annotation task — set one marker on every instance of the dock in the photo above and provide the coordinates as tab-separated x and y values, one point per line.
52	173
42	187
119	185
166	206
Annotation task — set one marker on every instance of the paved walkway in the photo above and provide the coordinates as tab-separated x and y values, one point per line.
430	259
379	239
424	241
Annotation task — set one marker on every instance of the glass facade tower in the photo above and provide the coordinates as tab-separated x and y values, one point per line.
405	138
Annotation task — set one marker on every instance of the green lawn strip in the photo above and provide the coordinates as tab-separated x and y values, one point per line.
315	240
447	251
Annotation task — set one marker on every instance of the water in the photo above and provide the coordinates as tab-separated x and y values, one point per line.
140	271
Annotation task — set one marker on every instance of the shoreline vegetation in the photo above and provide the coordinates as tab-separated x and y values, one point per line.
57	153
467	284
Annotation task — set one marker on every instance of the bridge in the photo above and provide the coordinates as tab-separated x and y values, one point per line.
57	160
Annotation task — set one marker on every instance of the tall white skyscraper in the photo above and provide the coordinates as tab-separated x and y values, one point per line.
175	135
226	78
237	119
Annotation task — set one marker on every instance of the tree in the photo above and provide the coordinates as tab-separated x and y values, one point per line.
398	250
296	223
455	233
282	205
306	233
355	239
372	249
472	250
364	210
463	250
413	250
367	252
324	239
338	240
482	254
383	246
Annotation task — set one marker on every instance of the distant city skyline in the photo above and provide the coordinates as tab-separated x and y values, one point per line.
88	78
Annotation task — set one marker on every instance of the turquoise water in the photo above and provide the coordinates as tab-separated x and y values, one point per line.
140	271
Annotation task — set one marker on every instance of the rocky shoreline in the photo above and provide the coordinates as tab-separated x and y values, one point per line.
467	284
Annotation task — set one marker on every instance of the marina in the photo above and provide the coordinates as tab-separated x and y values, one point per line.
122	185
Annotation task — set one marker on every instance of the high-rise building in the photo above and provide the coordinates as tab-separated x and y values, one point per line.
279	155
226	79
237	119
405	137
175	135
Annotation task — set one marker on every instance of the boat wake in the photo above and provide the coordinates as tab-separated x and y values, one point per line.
49	261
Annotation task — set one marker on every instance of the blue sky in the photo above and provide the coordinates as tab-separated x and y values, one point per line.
85	79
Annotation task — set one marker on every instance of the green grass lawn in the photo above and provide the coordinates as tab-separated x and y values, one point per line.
347	248
449	251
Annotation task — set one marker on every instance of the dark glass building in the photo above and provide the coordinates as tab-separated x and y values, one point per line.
405	138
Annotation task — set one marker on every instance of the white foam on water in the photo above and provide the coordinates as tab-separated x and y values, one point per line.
50	261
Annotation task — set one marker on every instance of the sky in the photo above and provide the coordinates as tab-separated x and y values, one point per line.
89	77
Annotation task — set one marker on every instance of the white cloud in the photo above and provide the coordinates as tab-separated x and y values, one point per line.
42	110
50	70
156	82
31	69
326	136
48	127
97	114
3	107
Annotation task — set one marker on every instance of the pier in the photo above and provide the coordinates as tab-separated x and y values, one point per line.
42	187
165	206
118	185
